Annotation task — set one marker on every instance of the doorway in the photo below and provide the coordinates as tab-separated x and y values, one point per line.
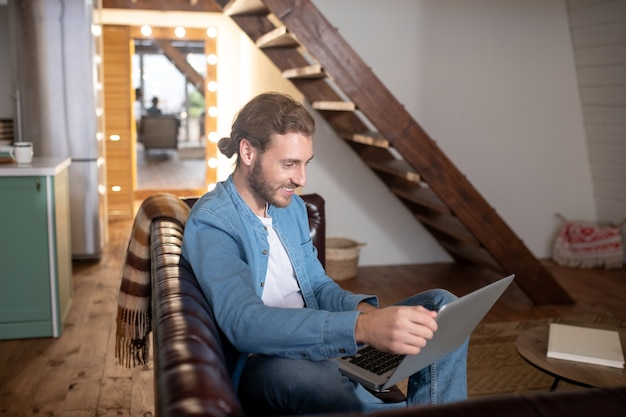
174	76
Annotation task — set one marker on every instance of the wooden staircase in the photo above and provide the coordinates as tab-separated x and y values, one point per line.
180	62
299	40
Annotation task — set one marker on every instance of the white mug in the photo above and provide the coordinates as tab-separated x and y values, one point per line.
22	153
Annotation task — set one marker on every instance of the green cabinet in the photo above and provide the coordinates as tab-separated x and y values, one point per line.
35	251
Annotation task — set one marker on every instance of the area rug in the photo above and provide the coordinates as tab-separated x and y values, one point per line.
495	368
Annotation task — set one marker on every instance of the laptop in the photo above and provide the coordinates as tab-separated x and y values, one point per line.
455	322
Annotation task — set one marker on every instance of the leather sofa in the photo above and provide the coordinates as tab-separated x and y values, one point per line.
191	362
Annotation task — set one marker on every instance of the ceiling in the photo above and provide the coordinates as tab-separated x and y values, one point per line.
165	5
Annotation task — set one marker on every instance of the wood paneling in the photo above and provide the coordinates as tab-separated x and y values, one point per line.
599	37
119	120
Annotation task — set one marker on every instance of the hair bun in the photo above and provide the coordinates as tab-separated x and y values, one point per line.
227	146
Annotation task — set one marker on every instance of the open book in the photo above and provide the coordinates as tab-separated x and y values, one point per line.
583	344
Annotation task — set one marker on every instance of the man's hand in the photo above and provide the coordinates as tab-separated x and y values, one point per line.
397	329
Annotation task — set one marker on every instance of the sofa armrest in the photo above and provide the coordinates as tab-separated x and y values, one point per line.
190	369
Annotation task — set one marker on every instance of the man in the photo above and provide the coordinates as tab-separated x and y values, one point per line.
154	110
248	244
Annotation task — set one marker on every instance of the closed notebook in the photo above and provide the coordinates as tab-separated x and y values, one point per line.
584	344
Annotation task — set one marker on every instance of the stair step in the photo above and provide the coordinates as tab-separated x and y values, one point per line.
277	38
180	61
422	196
245	7
396	167
448	225
472	254
334	105
310	71
367	138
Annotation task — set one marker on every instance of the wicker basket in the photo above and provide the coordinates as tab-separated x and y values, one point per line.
342	258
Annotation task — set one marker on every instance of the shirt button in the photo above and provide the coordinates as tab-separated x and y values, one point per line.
342	351
262	284
265	252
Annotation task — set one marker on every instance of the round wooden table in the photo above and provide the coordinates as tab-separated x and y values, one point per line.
532	345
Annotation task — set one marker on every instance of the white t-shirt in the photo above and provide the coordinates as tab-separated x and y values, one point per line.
281	287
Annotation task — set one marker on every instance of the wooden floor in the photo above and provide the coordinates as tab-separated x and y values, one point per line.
77	375
180	171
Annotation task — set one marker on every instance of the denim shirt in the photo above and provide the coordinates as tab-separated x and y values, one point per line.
226	247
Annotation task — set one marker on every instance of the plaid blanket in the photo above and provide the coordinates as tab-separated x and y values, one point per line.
588	245
133	310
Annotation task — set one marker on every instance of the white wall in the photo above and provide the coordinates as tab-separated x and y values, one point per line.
494	83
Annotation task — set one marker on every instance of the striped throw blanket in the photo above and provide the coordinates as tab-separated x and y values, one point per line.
133	311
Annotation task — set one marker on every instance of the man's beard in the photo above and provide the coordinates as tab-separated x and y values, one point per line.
263	189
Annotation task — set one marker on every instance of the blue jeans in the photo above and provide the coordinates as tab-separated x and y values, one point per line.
272	385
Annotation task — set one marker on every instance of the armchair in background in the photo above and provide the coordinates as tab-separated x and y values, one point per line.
159	132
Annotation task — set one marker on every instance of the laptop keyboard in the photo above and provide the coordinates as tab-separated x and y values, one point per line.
375	361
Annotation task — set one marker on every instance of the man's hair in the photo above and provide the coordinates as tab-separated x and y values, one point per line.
266	115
